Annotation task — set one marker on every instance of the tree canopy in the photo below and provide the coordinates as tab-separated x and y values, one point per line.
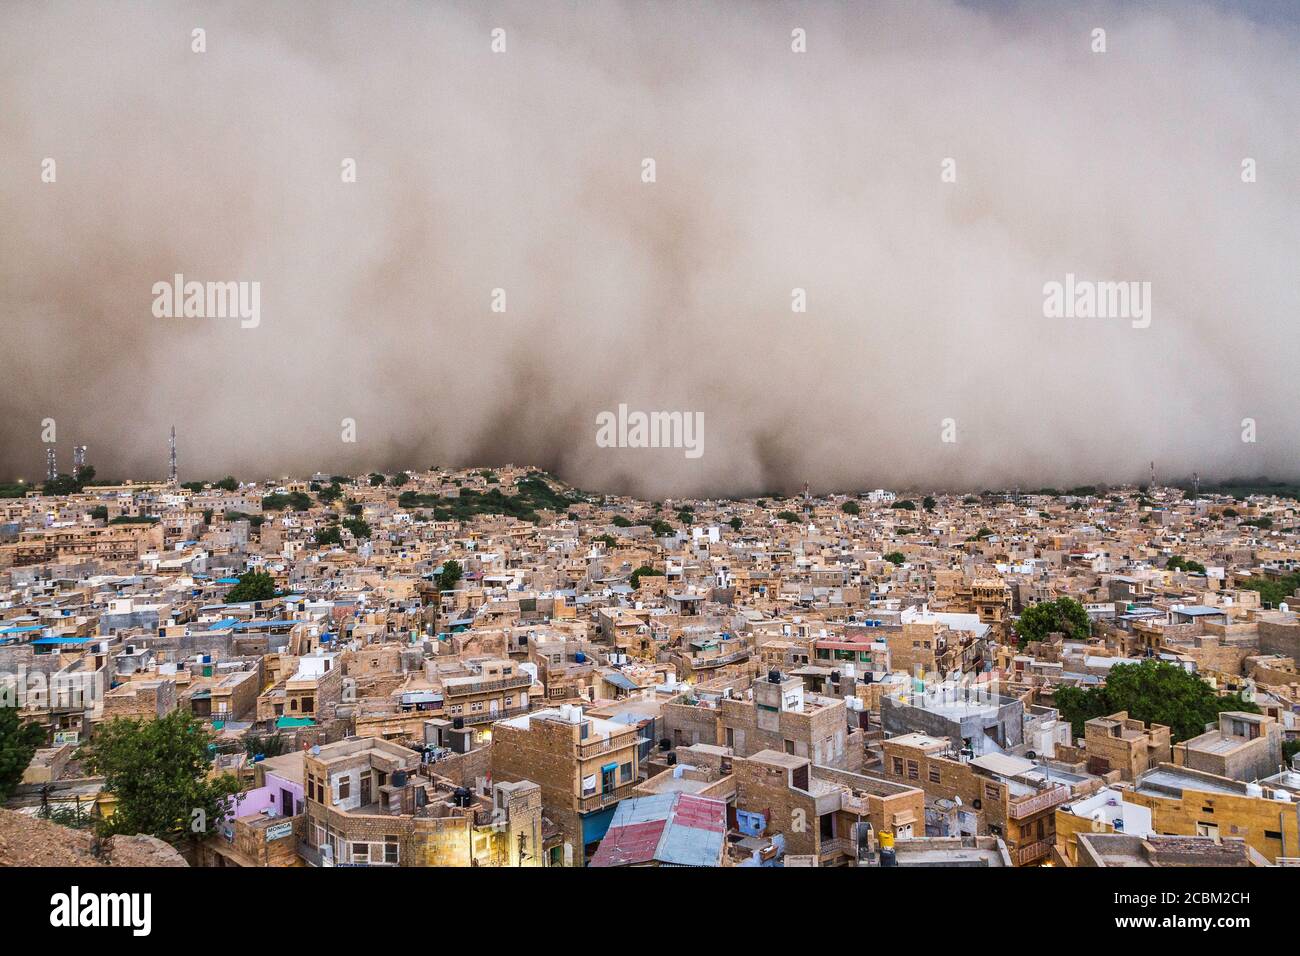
1064	614
18	742
158	770
252	586
450	575
1152	691
641	572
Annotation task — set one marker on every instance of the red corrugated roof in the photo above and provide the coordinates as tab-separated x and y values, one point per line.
699	813
634	843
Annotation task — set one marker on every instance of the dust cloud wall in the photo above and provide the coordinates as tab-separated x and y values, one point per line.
774	170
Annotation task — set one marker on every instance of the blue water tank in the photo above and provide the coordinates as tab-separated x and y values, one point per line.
580	657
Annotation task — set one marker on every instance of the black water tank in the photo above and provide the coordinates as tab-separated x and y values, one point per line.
399	778
665	744
672	759
462	796
774	677
458	723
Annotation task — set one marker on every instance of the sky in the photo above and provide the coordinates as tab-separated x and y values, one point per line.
840	265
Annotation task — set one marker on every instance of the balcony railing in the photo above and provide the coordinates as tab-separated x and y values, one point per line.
836	847
482	687
310	853
703	663
487	718
1023	807
1031	852
598	800
593	748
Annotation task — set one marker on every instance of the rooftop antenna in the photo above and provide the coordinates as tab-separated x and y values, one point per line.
51	464
172	444
1196	484
78	458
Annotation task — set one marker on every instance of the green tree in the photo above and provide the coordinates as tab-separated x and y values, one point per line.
1152	691
606	539
252	586
1064	614
158	770
228	483
1272	591
376	479
641	572
660	528
450	575
851	508
399	479
99	512
329	536
359	527
736	524
904	505
928	503
788	516
896	558
18	742
618	521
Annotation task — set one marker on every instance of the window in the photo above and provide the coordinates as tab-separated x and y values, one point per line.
934	776
625	773
913	770
991	791
789	746
361	853
390	849
345	787
898	766
1272	835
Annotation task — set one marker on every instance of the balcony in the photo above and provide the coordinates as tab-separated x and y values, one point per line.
707	663
594	748
312	855
1031	852
599	800
489	717
1022	807
485	686
836	847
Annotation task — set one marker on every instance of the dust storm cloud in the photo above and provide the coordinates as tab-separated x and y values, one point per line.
774	171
